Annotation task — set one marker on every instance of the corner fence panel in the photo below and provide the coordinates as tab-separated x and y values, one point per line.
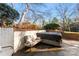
6	37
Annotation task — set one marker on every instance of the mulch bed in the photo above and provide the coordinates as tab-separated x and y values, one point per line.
71	36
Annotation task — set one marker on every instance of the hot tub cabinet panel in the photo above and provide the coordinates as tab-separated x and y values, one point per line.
51	38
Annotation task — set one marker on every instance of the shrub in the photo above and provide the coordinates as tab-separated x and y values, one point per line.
26	26
52	26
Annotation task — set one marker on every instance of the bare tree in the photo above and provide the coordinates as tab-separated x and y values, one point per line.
77	13
64	12
35	14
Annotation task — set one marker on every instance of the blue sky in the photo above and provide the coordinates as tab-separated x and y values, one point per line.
50	7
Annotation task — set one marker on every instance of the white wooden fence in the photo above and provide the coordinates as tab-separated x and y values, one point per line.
6	37
10	38
6	41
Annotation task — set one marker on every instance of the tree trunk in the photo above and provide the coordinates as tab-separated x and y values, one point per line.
24	13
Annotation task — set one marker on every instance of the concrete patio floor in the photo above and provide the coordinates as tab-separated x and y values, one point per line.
70	48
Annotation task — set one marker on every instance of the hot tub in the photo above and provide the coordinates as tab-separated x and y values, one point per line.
51	38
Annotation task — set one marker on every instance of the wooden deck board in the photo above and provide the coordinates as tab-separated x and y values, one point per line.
43	50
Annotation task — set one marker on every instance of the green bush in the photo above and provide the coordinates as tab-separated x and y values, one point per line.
52	26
